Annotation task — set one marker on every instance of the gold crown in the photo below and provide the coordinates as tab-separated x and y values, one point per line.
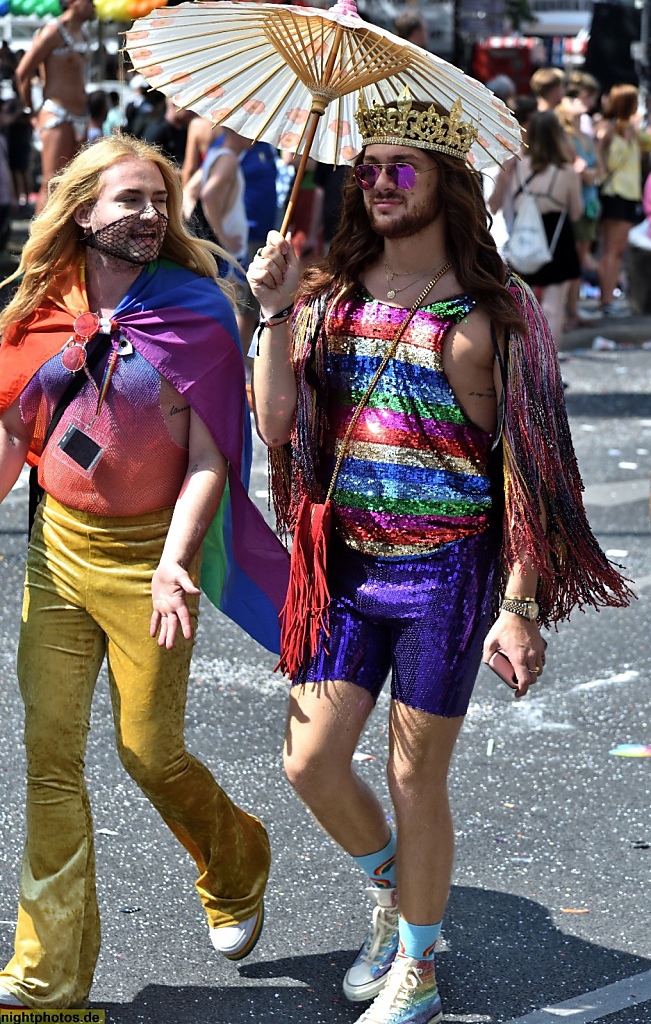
425	129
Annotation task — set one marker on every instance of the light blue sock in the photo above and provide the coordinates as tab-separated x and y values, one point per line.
380	867
417	940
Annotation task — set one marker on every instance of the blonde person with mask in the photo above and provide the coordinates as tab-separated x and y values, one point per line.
124	381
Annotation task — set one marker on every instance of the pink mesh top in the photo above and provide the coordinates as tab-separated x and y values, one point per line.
141	467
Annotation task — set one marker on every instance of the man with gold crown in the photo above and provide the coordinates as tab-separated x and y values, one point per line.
409	391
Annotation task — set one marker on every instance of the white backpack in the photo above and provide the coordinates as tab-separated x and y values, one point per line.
527	249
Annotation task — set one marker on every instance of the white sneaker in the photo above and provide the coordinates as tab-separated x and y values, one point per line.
368	973
7	1000
235	941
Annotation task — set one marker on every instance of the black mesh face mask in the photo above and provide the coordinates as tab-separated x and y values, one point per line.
133	239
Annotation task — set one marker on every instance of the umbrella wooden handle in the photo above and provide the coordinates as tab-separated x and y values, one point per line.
319	105
300	170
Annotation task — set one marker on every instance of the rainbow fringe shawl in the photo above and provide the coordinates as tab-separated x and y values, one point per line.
544	514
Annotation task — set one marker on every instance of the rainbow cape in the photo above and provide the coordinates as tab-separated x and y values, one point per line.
184	326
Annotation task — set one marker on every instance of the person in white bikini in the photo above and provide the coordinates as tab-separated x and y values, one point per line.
59	54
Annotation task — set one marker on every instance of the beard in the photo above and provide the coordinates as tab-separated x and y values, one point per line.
408	223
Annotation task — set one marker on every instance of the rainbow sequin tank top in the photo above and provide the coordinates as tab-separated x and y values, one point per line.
415	474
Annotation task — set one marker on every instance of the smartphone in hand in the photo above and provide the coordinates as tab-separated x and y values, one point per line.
502	667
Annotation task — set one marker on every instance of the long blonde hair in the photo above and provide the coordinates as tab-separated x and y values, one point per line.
53	243
566	118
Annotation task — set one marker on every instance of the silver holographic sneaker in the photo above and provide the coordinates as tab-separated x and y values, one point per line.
367	975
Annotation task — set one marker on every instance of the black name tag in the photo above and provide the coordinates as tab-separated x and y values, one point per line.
80	448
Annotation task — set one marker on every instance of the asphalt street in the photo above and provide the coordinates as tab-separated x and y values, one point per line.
550	902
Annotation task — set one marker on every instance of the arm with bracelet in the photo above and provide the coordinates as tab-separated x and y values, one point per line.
514	647
274	277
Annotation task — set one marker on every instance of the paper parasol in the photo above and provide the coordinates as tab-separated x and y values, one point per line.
290	76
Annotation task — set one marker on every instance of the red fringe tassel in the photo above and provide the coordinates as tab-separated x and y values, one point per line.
304	617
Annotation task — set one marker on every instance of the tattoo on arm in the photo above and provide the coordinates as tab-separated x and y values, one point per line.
12	440
175	409
193	469
490	393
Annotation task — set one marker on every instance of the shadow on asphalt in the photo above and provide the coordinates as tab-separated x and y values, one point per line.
506	958
612	405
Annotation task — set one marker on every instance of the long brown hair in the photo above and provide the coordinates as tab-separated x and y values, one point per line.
546	141
476	262
54	241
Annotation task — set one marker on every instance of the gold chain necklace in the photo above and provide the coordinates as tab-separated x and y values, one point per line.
390	274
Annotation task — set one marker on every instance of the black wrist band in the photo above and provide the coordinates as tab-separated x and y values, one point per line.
282	315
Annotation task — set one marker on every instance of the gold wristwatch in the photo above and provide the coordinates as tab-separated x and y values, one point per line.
526	607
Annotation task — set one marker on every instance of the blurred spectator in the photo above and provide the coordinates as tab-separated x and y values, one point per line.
620	144
329	181
411	25
170	132
586	88
258	165
201	134
545	173
646	198
639	258
107	65
19	143
6	190
548	86
587	165
152	108
98	107
496	179
112	69
59	53
139	88
8	61
115	118
285	173
220	213
504	88
524	107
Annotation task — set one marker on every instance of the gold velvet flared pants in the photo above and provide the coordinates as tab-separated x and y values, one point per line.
87	596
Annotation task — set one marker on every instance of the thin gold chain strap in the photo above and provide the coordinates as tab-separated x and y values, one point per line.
378	373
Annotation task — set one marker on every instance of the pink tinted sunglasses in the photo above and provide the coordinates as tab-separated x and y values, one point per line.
403	176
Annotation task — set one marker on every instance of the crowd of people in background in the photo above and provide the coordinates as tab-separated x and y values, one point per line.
583	157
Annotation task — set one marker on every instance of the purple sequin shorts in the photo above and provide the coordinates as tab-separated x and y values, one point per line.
423	619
